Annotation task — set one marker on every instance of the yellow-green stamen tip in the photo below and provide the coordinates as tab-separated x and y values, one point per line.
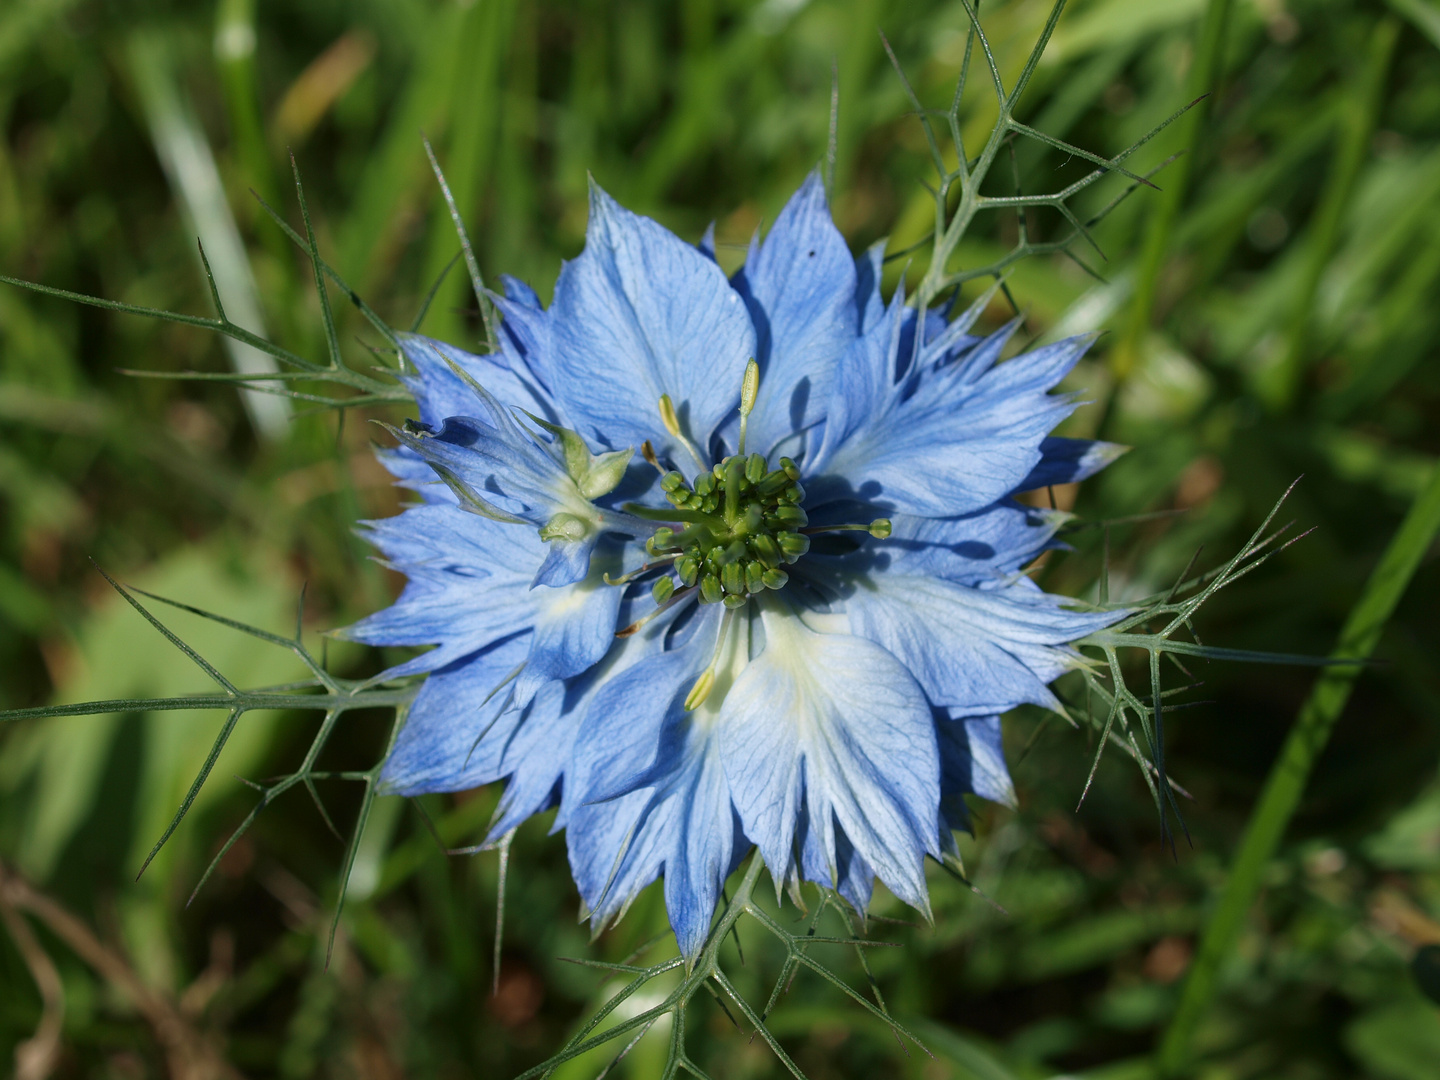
701	690
668	417
750	387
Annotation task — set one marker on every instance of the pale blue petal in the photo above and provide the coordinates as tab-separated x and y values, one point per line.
441	748
1068	461
574	627
800	287
975	549
469	583
838	722
949	440
440	393
864	377
525	336
500	464
706	246
981	650
976	762
566	561
854	877
639	314
652	798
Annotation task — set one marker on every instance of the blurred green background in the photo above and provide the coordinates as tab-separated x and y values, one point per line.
1286	324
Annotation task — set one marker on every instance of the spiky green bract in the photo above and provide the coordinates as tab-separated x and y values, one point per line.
323	692
705	972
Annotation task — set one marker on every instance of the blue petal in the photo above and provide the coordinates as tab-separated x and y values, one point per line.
500	464
948	439
981	650
525	335
986	546
854	877
838	722
639	314
441	747
653	797
469	588
800	287
574	629
1068	461
469	583
972	761
440	393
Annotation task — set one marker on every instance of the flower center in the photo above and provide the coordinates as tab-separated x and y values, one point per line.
742	523
739	522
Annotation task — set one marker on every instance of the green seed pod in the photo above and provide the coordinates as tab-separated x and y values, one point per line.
672	481
664	538
793	545
775	579
754	577
791	469
705	483
689	569
710	590
794	493
663	589
766	550
732	579
791	517
733	602
771	483
755	468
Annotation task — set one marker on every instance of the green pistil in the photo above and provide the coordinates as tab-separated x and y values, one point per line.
742	523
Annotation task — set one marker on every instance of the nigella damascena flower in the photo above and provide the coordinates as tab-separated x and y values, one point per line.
709	563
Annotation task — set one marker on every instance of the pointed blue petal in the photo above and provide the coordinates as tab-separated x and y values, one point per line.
986	546
983	650
639	314
854	877
574	629
441	748
525	338
838	721
800	288
1068	461
440	393
651	797
951	443
468	584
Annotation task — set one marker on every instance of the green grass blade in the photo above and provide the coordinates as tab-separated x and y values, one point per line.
1204	73
1286	782
1358	117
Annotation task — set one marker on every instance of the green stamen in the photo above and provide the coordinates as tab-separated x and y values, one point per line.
729	532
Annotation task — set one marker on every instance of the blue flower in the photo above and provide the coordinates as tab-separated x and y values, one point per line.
709	563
